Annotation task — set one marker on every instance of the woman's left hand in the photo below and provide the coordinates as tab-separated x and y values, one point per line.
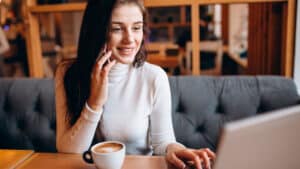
199	158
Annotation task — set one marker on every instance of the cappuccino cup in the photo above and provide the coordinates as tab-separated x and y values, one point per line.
106	155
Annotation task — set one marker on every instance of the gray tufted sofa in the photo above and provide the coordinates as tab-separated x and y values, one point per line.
27	114
200	107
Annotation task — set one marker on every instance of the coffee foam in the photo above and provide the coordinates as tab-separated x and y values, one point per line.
108	148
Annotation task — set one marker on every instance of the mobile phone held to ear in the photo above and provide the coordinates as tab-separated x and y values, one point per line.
102	53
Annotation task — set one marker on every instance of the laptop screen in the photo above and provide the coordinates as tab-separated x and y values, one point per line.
267	141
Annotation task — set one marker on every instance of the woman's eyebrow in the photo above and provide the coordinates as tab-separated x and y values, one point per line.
139	22
121	23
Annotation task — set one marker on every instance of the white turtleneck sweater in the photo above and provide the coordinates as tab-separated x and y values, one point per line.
137	112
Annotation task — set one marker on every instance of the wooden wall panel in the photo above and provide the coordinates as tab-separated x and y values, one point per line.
282	45
265	38
225	21
284	37
276	41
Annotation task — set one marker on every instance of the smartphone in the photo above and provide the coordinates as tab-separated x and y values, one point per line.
103	52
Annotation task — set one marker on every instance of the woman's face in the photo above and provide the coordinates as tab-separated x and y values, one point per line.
126	33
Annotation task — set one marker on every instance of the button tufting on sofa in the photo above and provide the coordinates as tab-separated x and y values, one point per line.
201	129
210	102
180	108
200	107
27	113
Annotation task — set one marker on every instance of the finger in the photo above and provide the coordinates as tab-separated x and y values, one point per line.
210	154
175	161
111	64
204	156
99	64
97	68
107	68
104	58
105	47
190	156
102	52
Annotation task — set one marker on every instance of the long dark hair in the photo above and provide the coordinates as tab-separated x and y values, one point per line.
93	36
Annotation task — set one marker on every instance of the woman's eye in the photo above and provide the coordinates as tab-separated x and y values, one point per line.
137	28
116	29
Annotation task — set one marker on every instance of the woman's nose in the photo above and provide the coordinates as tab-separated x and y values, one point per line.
128	36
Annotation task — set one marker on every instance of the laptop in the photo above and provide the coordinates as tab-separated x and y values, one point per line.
267	141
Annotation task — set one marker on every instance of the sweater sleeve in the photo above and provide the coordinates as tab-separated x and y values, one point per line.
76	138
162	133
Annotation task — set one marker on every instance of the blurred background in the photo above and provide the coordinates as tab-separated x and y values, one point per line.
233	39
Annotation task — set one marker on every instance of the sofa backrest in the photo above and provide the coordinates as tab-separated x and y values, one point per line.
27	114
200	107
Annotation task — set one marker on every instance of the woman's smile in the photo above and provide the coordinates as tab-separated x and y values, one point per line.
126	51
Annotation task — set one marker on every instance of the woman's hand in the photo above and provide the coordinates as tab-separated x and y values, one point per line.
184	157
99	81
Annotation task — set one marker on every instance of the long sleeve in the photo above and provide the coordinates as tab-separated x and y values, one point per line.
76	138
4	46
162	133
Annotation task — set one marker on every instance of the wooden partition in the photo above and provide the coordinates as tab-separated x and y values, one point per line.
34	43
266	50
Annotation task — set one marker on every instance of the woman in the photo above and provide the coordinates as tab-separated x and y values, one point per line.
114	95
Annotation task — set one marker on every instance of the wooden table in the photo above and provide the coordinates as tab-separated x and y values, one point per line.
75	161
12	158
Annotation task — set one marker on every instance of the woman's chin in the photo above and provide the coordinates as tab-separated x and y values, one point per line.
125	60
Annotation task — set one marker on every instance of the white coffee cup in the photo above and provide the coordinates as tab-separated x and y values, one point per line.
106	155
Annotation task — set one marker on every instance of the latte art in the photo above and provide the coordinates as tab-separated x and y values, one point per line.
108	148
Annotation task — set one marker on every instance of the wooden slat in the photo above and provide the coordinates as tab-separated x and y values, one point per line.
160	3
182	14
31	2
225	24
265	42
283	37
72	7
68	7
275	40
253	42
195	39
290	38
235	1
33	44
156	3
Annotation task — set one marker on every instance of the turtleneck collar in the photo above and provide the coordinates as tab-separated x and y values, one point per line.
118	72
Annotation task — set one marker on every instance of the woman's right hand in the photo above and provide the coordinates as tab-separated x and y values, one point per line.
99	82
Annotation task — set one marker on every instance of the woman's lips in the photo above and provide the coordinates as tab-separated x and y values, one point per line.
126	51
